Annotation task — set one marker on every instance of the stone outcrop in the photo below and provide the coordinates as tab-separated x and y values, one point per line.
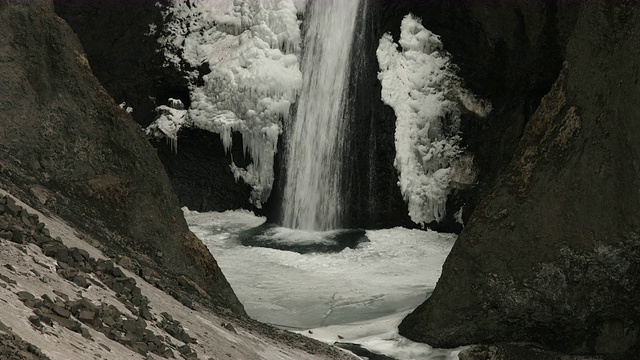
66	147
552	252
120	40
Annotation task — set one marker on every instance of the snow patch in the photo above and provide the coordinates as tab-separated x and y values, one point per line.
420	84
251	48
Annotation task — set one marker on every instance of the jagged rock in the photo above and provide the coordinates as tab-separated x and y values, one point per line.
551	253
231	328
61	311
10	207
81	280
86	316
35	320
77	255
62	295
118	273
146	314
17	236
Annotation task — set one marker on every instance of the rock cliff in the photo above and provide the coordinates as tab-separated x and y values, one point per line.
67	148
552	251
120	40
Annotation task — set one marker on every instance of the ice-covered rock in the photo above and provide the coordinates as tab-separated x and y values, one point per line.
419	82
251	48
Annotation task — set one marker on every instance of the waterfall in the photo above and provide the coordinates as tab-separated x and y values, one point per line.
312	198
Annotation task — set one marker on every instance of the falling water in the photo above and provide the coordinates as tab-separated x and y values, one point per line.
311	194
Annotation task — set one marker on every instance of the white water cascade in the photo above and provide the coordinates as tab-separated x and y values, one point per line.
311	194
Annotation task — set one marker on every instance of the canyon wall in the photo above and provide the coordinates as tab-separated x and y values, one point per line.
67	147
551	253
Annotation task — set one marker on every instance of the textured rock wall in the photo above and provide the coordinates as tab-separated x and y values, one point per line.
507	53
551	254
124	55
67	147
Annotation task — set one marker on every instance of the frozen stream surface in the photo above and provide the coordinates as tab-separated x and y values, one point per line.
357	295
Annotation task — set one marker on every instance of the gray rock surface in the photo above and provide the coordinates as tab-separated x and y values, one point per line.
552	252
64	142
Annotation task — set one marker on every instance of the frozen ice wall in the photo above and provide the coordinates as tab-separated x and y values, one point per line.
312	195
419	83
252	49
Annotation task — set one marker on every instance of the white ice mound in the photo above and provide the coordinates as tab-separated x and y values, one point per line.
252	49
420	84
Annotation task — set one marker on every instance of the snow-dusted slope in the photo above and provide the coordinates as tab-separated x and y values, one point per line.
252	49
41	307
420	84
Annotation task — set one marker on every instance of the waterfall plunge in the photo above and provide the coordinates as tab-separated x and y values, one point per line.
312	191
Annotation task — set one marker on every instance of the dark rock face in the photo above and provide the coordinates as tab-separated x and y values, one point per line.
200	173
125	56
551	254
67	147
372	196
507	53
120	40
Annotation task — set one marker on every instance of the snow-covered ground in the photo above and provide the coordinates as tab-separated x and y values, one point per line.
30	270
356	295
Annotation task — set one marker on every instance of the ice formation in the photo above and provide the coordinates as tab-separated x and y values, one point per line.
170	119
420	84
252	49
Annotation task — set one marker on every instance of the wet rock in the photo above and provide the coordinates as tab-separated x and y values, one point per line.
17	237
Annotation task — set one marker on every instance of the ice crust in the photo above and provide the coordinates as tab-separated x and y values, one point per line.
419	82
252	49
360	294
